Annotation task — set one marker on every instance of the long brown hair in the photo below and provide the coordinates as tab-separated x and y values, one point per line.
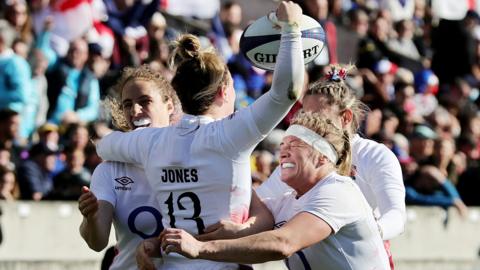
199	74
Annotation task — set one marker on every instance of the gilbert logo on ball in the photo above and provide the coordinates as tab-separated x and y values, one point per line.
261	40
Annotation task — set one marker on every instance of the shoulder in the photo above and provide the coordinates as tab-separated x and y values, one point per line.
20	62
366	150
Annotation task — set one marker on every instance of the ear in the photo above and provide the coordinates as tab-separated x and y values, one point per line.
222	93
320	160
347	117
170	106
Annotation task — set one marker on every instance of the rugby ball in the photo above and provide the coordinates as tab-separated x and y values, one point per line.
261	40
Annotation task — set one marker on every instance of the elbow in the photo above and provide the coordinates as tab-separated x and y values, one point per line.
284	249
97	245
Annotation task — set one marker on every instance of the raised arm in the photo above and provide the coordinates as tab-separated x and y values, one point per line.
130	147
271	108
289	72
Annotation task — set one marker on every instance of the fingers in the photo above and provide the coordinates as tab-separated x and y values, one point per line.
170	237
87	204
171	245
288	11
144	262
85	189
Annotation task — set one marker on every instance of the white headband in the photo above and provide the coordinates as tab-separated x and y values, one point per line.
315	140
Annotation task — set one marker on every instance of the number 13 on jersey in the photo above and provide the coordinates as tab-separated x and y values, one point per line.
197	209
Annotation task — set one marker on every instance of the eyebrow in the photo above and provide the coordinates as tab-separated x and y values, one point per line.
140	97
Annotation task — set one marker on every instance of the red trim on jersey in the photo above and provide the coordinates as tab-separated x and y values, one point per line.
386	244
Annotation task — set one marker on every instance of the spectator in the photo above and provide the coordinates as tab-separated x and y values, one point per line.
34	174
8	185
444	158
349	36
430	187
318	9
264	162
67	185
19	18
73	90
9	126
129	20
76	136
421	143
15	75
5	157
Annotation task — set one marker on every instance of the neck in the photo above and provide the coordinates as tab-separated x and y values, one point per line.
216	112
311	180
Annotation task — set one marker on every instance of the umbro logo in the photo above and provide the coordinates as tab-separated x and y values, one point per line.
279	224
125	183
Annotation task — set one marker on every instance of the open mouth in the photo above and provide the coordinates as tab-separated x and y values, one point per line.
287	165
143	122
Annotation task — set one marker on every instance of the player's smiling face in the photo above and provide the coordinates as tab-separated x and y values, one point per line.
144	106
296	162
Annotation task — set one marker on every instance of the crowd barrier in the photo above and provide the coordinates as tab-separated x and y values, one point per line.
44	235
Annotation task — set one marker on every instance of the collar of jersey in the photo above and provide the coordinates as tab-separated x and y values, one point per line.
189	122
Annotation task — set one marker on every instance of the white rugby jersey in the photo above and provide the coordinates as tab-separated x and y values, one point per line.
355	242
377	172
136	211
199	169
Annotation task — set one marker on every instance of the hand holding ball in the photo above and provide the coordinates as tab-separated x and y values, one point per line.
261	40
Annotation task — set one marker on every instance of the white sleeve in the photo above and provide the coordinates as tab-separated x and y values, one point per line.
386	181
130	147
101	184
268	110
336	205
273	186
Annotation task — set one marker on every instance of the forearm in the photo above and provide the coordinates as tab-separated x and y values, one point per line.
260	220
289	71
95	235
259	248
287	85
123	147
392	223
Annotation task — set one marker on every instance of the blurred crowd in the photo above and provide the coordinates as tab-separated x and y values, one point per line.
417	68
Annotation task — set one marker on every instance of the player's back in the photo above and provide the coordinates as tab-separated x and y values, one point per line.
198	179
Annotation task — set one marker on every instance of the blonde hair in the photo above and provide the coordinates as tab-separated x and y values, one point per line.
143	73
338	93
199	74
338	138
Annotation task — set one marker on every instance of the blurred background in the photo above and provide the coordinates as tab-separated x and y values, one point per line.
418	69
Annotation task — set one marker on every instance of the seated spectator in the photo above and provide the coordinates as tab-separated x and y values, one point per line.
430	187
34	173
67	185
8	185
422	141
